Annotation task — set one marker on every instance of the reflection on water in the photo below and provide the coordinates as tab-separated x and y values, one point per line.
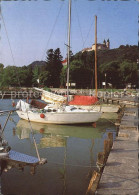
71	152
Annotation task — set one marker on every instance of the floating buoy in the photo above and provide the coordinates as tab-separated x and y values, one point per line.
94	125
42	115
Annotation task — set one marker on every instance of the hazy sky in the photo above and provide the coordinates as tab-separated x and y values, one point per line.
33	27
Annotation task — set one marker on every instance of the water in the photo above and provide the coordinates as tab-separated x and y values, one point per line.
71	152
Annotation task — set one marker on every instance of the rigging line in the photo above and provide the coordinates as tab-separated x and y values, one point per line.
38	155
20	86
89	32
79	24
8	39
10	48
35	144
53	28
65	36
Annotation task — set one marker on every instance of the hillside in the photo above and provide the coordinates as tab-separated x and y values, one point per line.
130	53
37	63
117	67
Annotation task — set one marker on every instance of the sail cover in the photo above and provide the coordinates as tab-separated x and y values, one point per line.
83	100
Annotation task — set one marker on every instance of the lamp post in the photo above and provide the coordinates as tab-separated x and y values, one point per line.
105	80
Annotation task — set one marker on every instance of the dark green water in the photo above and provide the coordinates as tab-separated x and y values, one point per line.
71	152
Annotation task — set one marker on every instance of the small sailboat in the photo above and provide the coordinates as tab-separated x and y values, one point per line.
62	114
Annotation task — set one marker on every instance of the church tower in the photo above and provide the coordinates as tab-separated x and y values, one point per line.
104	42
108	44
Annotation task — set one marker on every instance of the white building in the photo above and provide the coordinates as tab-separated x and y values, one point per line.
104	46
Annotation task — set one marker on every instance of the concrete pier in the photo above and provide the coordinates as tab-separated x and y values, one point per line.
120	175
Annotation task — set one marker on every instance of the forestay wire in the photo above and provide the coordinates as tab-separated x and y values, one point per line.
53	28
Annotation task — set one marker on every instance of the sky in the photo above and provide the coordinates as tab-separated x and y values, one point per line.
30	28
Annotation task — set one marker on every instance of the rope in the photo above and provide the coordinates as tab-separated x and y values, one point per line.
10	49
53	29
109	121
20	86
84	41
85	166
33	138
8	39
88	32
6	123
79	24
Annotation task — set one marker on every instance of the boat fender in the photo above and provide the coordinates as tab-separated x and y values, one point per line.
13	104
42	130
94	125
42	115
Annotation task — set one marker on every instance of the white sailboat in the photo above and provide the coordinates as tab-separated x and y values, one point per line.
64	114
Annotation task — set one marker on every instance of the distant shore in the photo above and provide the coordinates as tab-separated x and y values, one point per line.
23	93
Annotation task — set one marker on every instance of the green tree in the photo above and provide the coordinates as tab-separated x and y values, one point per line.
45	78
54	66
112	71
129	72
35	76
79	74
9	76
1	73
63	76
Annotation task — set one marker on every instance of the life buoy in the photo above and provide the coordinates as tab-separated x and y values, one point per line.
42	115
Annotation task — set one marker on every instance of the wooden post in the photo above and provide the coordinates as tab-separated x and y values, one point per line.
106	148
117	128
110	137
32	170
93	183
100	161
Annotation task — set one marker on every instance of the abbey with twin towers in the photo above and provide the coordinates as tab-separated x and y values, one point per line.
104	46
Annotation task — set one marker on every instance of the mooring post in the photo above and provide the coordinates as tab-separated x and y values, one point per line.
93	183
32	170
100	161
110	137
117	128
106	148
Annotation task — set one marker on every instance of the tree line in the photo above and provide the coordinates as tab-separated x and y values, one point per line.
117	67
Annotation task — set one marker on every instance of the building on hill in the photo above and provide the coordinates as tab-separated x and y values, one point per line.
104	46
64	62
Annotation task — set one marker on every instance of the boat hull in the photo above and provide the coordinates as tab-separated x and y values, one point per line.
61	118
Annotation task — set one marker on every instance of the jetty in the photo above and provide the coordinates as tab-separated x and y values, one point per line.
118	173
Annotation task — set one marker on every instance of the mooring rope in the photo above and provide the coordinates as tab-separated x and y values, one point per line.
85	166
34	140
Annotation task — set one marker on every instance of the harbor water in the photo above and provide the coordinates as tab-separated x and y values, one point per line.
71	152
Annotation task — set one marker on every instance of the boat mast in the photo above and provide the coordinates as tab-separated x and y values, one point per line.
68	48
96	55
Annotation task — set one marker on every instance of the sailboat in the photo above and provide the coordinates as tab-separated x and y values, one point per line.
62	114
